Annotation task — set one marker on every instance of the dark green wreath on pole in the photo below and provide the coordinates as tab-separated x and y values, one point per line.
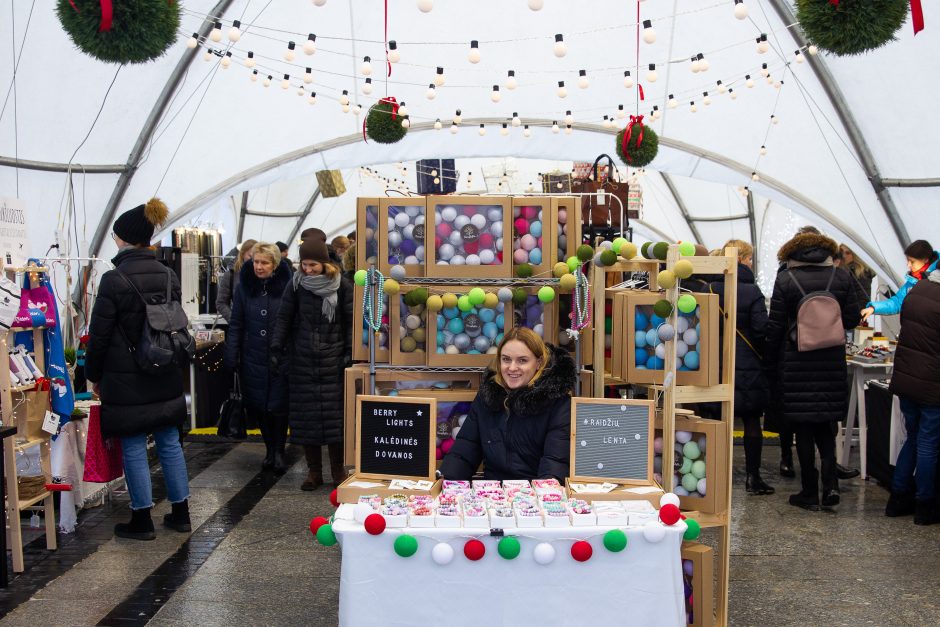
121	31
383	124
641	144
851	26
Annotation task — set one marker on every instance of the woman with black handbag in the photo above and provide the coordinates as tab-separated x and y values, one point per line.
255	309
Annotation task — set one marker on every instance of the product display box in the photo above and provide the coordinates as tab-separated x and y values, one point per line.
402	234
469	236
534	223
697	341
360	340
621	492
567	232
355	486
532	313
367	232
701	451
467	337
561	311
698	566
409	330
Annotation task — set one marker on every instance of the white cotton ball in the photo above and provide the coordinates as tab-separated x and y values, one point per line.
681	349
402	220
473	260
496	229
499	243
683	436
445	252
458	260
544	553
487	257
412	211
408	231
419	219
654	532
449	214
419	253
455	238
682	324
478	220
494	215
412	260
690	337
461	221
442	554
669	498
394	239
661	351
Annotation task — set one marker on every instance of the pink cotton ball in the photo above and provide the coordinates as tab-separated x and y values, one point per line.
385	319
522	227
446	445
562	216
444	230
530	212
439	453
540	242
521	256
528	242
658	445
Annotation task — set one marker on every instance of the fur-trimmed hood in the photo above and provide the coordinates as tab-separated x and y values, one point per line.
275	284
557	381
809	248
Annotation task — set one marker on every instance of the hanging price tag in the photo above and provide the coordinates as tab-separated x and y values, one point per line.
51	423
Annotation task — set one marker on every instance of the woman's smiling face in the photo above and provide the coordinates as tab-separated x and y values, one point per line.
517	364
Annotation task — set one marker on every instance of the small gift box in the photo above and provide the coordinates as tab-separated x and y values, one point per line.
556	515
448	517
395	516
528	517
421	517
612	518
502	518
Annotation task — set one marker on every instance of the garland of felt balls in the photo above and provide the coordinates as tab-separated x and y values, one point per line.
372	308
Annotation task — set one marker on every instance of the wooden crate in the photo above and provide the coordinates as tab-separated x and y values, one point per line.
715	456
402	234
528	213
490	238
367	232
360	343
398	321
701	609
464	358
567	235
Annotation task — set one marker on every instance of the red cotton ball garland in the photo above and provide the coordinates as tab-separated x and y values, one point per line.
581	551
316	523
374	524
334	499
669	514
474	550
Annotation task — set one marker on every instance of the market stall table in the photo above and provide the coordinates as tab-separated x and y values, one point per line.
861	373
641	585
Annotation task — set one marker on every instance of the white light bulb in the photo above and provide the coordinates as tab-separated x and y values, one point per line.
707	100
568	130
367	87
504	130
431	93
394	56
511	82
226	61
774	119
583	81
439	77
621	114
193	41
770	80
651	74
657	113
344	98
740	9
289	55
285	82
301	92
406	123
308	76
482	131
777	84
458	118
555	128
764	71
474	55
453	129
536	5
732	95
234	33
755	176
672	103
749	82
254	76
762	44
425	6
216	33
366	68
267	81
649	35
693	108
319	3
310	46
250	61
722	88
357	109
560	48
495	96
437	125
402	109
695	66
813	50
569	119
526	132
704	65
516	121
798	56
763	150
562	91
628	80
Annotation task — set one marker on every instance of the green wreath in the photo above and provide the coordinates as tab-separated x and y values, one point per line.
141	30
383	124
640	155
852	26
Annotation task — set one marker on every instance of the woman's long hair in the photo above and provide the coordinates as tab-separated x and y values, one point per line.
857	267
242	251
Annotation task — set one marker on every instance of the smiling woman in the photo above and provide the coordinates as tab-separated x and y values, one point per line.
519	423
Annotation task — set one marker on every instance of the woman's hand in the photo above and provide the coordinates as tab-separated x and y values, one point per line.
868	311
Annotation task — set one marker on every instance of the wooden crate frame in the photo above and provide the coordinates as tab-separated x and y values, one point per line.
361	349
549	246
703	573
395	399
385	204
716	453
399	357
550	328
587	334
572	207
613	402
362	209
495	271
435	359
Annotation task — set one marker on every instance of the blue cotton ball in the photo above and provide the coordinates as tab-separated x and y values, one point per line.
535	256
641	320
500	321
441	321
652	338
655	320
440	338
487	315
462	341
490	330
455	325
640	339
473	352
535	229
481	344
640	357
654	363
451	312
499	338
691	360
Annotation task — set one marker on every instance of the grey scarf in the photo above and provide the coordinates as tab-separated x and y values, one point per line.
321	285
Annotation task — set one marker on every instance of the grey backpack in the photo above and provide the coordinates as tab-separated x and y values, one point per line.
818	319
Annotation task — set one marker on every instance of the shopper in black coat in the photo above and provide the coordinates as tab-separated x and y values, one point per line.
810	385
916	382
751	392
255	310
135	404
314	328
518	428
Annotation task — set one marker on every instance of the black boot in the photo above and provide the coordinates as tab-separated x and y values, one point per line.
314	456
925	512
178	518
139	528
280	442
786	461
830	481
755	485
900	504
843	472
808	497
267	434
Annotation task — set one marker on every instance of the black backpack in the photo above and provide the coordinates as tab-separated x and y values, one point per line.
165	341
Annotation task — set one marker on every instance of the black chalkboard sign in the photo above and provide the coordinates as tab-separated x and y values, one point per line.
611	440
396	437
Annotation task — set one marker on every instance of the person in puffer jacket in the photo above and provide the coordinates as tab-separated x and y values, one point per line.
921	261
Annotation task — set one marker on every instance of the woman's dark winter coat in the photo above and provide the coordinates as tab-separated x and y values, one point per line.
521	434
319	352
132	401
255	307
917	360
808	386
751	392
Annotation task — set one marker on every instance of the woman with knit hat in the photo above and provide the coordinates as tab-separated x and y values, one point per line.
134	403
314	329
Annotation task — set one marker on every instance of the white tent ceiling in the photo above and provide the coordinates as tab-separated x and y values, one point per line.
221	134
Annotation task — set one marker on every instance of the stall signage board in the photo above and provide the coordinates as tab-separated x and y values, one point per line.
396	437
611	440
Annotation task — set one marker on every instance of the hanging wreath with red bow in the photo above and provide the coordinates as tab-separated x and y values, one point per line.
847	27
637	145
127	31
384	123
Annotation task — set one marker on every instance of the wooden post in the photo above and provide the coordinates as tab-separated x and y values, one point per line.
670	380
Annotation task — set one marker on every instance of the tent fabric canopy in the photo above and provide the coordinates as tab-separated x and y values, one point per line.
223	134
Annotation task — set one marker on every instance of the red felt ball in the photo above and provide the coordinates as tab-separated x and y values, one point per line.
374	524
486	240
444	230
316	523
581	551
522	226
669	514
474	550
471	248
334	498
470	210
439	454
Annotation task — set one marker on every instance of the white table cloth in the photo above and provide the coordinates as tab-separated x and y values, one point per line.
641	585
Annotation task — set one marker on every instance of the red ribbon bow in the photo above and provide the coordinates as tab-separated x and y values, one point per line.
628	134
917	14
388	100
107	14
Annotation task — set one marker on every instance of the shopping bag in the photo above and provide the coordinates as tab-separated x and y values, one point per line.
436	176
232	415
103	458
556	183
37	305
331	183
594	212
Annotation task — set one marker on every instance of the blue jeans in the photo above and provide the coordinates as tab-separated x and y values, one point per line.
919	450
137	470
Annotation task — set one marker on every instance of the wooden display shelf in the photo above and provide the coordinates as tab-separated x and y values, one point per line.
21	505
722	392
708	521
28	444
23	388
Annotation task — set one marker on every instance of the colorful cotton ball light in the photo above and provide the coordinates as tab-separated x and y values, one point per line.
668	499
628	250
325	535
585	253
509	548
560	269
442	554
581	551
374	524
567	281
662	308
608	258
645	250
360	277
544	553
476	296
666	332
316	523
523	270
434	303
405	545
615	540
686	249
464	304
618	243
391	287
398	272
666	279
334	498
474	550
686	303
546	294
690	450
573	263
519	296
669	514
683	268
504	295
692	531
660	250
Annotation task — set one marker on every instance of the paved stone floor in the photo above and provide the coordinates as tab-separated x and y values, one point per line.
251	560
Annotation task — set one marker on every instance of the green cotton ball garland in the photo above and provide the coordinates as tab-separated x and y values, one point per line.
693	529
406	545
608	257
325	535
137	32
615	540
524	271
509	548
360	277
851	26
383	124
585	253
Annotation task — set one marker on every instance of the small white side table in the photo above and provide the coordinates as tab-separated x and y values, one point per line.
861	373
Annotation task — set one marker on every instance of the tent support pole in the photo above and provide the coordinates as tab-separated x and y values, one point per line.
303	216
752	224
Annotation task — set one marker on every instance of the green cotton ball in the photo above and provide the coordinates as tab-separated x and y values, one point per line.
666	279
406	545
608	257
519	296
325	535
360	277
464	304
615	540
628	250
608	325
689	482
618	243
509	548
419	295
585	253
686	303
662	308
524	270
573	263
690	450
686	467
409	298
476	296
546	294
686	249
645	250
683	268
693	530
698	470
660	250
